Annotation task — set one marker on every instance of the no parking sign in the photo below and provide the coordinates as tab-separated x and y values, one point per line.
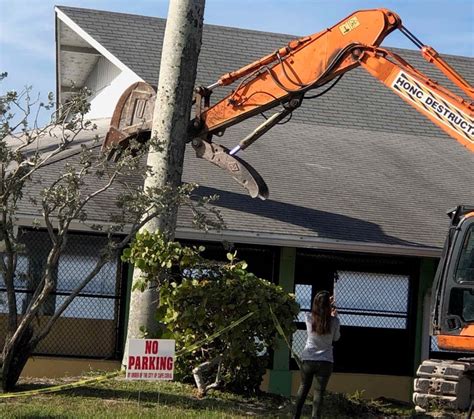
150	359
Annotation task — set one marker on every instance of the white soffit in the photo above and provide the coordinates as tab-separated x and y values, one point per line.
77	56
90	40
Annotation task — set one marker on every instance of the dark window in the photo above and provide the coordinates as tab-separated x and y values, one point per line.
465	267
461	303
262	260
374	298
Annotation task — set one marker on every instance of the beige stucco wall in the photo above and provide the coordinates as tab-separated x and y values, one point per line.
54	367
370	386
75	336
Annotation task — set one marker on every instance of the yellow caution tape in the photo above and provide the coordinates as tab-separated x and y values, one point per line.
210	338
60	387
281	332
181	352
81	383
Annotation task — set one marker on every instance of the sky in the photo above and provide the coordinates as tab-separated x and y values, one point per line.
27	43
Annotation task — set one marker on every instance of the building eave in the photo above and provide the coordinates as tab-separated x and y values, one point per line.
307	242
269	239
96	46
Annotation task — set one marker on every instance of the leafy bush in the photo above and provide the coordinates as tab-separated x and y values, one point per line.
158	258
198	307
207	297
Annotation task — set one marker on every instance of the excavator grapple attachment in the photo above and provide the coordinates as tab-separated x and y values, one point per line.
132	118
239	169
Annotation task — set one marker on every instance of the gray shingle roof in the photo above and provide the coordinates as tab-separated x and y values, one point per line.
358	102
357	164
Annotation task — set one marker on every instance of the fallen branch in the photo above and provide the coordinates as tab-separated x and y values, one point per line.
201	369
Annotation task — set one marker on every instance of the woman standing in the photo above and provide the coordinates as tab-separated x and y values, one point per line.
317	358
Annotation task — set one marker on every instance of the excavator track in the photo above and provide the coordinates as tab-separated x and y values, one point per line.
445	383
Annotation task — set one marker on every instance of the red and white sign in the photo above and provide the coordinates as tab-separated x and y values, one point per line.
150	359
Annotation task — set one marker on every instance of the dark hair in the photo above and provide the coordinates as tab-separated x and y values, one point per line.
321	313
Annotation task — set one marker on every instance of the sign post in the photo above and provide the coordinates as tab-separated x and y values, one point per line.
150	359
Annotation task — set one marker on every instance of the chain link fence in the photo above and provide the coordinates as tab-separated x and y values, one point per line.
90	326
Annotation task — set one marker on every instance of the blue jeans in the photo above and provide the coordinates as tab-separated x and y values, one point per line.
321	371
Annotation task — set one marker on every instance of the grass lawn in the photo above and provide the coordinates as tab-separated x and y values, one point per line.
137	399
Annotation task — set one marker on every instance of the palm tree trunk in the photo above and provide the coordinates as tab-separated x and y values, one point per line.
181	47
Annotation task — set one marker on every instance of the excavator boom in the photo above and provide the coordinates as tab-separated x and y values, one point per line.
451	113
289	72
284	78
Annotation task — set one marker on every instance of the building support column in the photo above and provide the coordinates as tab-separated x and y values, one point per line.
280	375
423	312
126	306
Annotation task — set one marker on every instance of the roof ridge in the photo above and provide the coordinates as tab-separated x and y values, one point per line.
61	7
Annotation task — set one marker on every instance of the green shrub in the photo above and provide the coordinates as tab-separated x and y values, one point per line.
201	297
220	295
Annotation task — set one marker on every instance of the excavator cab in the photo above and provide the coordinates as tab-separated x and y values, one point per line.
451	382
453	305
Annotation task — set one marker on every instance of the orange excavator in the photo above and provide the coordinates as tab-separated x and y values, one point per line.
306	68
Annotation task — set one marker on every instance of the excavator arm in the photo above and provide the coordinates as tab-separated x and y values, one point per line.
450	112
284	78
289	72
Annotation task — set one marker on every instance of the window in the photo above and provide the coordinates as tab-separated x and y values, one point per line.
303	293
465	268
90	325
374	296
20	282
366	299
461	303
363	299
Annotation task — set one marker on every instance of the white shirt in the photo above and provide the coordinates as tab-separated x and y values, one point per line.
319	347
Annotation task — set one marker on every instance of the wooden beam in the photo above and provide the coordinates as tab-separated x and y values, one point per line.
79	50
69	89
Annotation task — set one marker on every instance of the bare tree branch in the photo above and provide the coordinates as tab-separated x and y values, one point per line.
64	200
